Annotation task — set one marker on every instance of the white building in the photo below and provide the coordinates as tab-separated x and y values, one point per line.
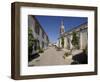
82	34
40	36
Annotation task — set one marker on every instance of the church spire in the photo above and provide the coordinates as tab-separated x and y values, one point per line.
62	29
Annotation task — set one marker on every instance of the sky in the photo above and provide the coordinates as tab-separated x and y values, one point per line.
52	24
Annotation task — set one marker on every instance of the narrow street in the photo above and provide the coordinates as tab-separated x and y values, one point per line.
51	57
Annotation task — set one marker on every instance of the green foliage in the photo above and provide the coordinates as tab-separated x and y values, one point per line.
66	54
75	40
30	40
41	50
62	42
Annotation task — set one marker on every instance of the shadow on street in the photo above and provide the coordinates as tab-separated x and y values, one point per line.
80	58
33	56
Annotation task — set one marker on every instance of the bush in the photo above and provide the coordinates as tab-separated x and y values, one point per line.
30	41
41	50
75	40
66	54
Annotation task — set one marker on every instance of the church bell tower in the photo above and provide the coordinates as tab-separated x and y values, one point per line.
62	29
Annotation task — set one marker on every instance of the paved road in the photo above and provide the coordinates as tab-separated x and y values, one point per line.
51	57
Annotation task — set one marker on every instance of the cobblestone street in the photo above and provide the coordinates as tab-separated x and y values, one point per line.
51	57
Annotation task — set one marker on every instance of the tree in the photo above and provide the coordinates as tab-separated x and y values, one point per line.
30	40
62	42
75	40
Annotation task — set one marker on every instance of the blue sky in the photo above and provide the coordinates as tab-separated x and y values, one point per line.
51	24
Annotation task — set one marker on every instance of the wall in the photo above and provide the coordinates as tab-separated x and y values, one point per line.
5	40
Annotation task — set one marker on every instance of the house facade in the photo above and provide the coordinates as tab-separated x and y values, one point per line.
81	32
40	36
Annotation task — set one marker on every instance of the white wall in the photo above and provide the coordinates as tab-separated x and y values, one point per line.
5	40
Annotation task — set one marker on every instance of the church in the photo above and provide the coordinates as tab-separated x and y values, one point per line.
66	37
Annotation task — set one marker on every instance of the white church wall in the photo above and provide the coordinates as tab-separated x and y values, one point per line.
84	39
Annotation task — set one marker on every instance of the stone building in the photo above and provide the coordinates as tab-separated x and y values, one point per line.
40	36
81	33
